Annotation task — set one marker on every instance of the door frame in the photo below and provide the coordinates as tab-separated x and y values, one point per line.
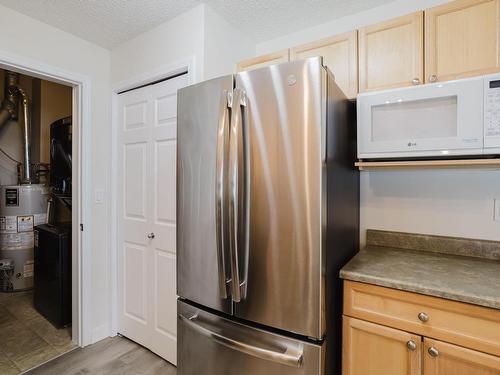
81	283
162	73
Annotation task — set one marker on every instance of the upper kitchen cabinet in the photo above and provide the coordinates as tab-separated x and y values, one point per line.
340	55
391	53
462	39
264	60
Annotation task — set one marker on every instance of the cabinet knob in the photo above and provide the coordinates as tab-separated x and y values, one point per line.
423	317
433	78
433	352
415	81
151	235
411	345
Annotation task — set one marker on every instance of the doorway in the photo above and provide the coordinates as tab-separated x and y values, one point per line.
35	220
21	297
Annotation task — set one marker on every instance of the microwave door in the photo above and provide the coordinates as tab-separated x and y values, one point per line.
203	273
438	119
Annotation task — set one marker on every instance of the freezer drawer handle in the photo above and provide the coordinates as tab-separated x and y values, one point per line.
290	357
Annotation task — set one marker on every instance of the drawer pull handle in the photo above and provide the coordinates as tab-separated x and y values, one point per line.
423	317
415	81
411	345
433	78
433	352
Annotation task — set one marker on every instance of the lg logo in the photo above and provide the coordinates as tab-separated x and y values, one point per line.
411	144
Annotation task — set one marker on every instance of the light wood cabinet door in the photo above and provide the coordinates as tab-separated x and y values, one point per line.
391	53
373	349
340	55
441	358
264	60
462	39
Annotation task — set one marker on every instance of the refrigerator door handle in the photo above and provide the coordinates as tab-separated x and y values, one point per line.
237	208
288	355
220	199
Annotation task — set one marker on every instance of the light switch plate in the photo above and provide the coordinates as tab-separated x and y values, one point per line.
497	209
99	196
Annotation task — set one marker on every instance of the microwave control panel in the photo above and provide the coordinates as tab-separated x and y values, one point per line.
492	110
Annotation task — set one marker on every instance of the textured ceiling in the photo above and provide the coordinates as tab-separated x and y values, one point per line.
111	22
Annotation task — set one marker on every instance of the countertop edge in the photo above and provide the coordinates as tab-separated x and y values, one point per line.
408	287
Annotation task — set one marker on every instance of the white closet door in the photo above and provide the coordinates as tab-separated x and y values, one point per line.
147	187
163	201
134	217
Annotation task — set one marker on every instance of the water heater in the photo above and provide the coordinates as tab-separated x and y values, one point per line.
22	207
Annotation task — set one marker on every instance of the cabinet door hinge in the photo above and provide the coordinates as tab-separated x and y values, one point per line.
81	227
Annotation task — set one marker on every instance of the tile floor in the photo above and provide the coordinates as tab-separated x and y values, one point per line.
26	338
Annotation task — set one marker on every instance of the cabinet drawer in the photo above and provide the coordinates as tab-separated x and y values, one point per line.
467	325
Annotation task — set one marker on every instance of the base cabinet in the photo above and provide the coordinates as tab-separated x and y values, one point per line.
448	337
441	358
374	349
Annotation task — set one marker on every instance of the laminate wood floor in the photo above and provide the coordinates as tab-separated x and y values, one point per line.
112	356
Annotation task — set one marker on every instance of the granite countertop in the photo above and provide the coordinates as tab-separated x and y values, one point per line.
452	268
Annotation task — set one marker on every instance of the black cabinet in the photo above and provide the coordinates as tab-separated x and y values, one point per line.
52	278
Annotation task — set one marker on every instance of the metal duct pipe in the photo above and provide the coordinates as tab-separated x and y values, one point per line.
8	111
4	116
26	137
10	100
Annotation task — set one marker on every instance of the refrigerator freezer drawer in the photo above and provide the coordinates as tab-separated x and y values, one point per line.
212	345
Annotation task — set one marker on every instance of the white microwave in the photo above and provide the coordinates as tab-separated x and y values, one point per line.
451	118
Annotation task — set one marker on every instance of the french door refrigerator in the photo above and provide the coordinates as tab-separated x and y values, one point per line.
267	214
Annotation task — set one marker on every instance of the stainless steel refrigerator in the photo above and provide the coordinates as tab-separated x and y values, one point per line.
267	214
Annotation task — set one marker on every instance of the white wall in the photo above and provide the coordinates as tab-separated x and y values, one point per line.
224	45
199	35
443	202
24	36
347	23
180	39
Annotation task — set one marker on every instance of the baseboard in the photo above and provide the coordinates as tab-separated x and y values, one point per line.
99	333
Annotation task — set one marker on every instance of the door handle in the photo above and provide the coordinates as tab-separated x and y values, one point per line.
288	355
151	235
220	197
238	210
